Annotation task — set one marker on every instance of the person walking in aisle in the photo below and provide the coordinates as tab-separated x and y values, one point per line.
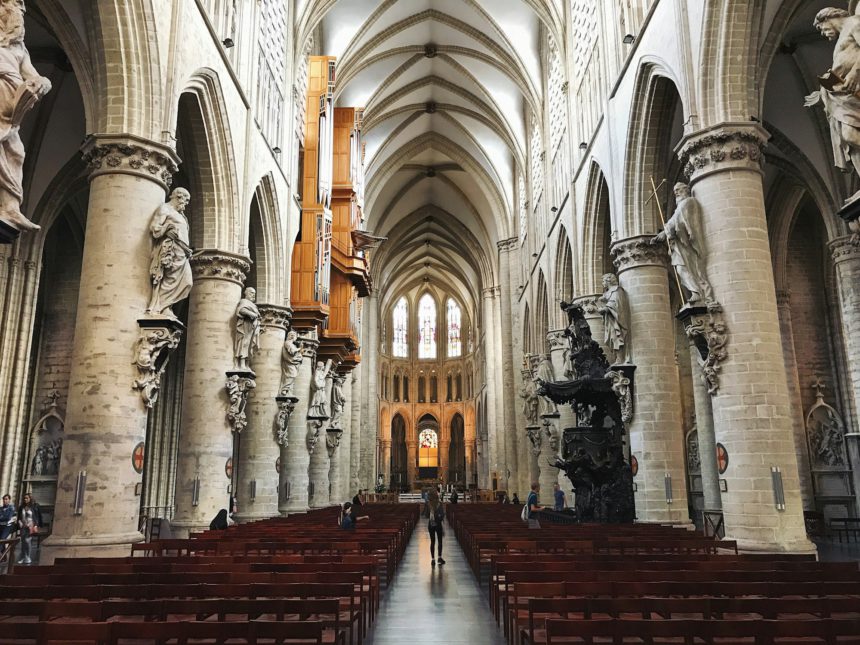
560	498
29	521
435	512
7	517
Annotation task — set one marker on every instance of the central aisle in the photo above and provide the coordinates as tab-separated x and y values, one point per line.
441	605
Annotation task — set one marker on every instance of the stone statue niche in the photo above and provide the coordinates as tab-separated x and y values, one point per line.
593	451
44	451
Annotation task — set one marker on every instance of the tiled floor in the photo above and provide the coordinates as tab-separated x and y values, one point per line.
441	605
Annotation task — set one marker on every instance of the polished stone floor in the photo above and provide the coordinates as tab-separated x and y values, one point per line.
441	605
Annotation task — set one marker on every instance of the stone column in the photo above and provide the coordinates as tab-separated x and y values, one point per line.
320	463
385	466
295	457
355	425
370	388
257	475
411	461
444	466
333	448
705	432
656	431
105	416
495	438
548	454
798	425
752	416
558	343
846	258
513	440
206	437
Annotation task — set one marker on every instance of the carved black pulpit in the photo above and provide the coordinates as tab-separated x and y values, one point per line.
593	451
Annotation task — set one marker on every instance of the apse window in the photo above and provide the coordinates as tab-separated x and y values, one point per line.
400	322
427	327
455	345
428	449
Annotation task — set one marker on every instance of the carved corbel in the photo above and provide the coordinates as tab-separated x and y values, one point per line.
238	385
708	331
621	386
536	437
332	440
314	427
158	337
551	431
286	406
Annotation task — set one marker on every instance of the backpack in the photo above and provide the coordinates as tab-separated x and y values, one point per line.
524	516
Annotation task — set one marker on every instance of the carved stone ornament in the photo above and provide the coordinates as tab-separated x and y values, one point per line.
238	385
128	154
510	244
825	432
275	317
314	427
332	440
621	387
557	340
551	431
845	249
638	251
158	337
211	264
694	460
708	330
727	146
588	304
286	407
535	435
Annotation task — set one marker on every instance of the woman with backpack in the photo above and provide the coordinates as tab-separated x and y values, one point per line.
435	512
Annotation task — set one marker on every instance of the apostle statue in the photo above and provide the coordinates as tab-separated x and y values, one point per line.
839	87
528	393
170	267
612	305
21	87
546	374
685	237
291	359
338	400
247	330
318	407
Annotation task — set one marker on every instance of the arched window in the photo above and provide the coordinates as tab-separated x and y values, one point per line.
428	449
400	324
427	327
396	387
455	345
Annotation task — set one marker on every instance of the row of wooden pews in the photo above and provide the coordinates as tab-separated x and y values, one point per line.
645	583
300	580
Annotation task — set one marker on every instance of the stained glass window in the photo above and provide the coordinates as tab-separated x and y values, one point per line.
400	344
455	345
428	449
427	327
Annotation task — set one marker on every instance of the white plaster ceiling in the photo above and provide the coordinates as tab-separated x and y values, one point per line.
457	114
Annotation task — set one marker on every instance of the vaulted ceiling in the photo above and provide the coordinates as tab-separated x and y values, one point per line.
447	87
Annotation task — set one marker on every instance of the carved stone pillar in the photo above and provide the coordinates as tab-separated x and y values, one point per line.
258	449
656	431
752	416
846	258
332	445
385	465
411	462
798	425
205	464
318	470
558	344
96	511
295	455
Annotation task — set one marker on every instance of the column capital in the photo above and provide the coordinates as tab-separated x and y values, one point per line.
783	298
509	244
725	146
638	251
844	249
557	340
212	264
492	292
275	316
130	155
588	303
309	343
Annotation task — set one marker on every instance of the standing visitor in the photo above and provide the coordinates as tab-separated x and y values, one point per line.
560	498
435	512
7	517
532	501
29	521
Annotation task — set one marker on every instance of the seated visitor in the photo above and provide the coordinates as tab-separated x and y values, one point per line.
219	523
348	520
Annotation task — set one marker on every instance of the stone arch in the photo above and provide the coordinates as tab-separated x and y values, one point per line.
657	116
527	331
564	278
265	246
541	315
597	234
205	145
399	465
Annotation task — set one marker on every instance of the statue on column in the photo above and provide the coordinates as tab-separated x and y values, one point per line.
546	374
21	87
528	393
291	359
338	400
840	86
247	330
685	237
318	407
612	305
170	266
